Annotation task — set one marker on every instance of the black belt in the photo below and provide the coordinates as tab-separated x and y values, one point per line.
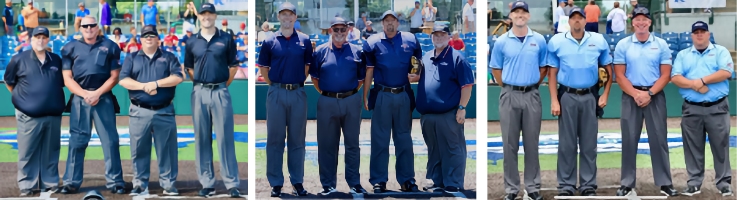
210	85
706	104
289	86
339	95
150	107
522	88
575	91
393	90
642	88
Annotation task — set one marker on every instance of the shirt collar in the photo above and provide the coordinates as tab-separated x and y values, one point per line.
217	34
97	41
443	53
156	54
708	48
586	35
511	35
279	33
33	55
383	35
650	38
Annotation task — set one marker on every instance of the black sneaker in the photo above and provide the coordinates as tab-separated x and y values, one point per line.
206	192
535	196
172	191
26	192
565	193
326	190
118	190
624	191
451	190
299	190
276	191
668	190
510	196
691	190
136	191
409	186
434	187
726	191
380	187
588	192
358	189
53	189
67	190
234	193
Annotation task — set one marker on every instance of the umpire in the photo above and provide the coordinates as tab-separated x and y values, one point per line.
392	101
90	67
284	61
444	88
519	64
337	73
211	62
702	72
577	54
28	76
151	76
642	63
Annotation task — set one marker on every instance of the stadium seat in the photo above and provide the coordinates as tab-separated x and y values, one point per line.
469	40
472	60
471	35
685	39
684	46
657	34
673	47
422	35
671	40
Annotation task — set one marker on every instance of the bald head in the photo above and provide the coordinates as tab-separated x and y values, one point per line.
8	2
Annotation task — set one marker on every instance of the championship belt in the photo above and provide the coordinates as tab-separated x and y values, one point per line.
416	65
603	76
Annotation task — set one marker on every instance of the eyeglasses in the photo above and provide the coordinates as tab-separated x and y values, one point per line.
150	36
88	25
340	30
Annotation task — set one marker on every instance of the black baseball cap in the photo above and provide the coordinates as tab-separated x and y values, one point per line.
441	28
287	6
207	7
350	23
338	21
149	30
699	25
640	11
520	4
40	30
387	13
577	10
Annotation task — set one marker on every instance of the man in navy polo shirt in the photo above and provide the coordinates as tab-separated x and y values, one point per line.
90	67
28	76
211	62
519	64
577	54
444	88
388	55
642	63
151	76
337	73
284	61
702	72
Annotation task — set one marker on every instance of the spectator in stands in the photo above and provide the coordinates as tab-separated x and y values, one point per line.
242	46
361	23
428	14
618	18
81	13
265	32
186	36
226	29
105	16
132	46
127	17
172	35
118	37
456	42
30	16
134	34
569	6
43	14
559	13
592	16
415	20
149	14
353	33
25	43
243	28
170	46
469	17
21	23
189	16
8	17
368	31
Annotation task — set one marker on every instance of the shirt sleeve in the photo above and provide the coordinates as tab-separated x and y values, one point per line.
605	57
11	71
361	65
497	56
553	60
264	55
619	53
464	72
316	64
127	69
67	61
188	57
369	54
115	58
418	49
308	51
542	52
232	59
175	67
725	61
665	56
677	65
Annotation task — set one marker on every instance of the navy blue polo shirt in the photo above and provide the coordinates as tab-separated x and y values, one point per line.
8	14
338	69
391	57
441	81
211	60
38	88
139	67
91	63
286	57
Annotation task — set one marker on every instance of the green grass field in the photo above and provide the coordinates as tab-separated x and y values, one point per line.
95	153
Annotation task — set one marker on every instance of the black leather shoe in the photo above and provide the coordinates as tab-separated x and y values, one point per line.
276	191
668	190
118	190
623	191
380	187
451	189
409	186
510	196
52	189
25	193
588	192
565	193
67	190
692	190
234	193
726	191
299	190
206	192
535	196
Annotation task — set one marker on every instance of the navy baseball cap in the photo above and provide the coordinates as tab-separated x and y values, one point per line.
287	6
641	11
338	21
40	30
520	4
389	12
207	7
577	10
699	25
149	30
441	28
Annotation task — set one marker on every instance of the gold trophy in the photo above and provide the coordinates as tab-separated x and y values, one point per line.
416	65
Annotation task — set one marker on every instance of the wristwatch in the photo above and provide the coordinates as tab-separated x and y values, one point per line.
650	93
460	107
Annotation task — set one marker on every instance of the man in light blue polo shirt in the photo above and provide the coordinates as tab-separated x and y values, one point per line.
519	65
149	14
577	54
702	73
642	63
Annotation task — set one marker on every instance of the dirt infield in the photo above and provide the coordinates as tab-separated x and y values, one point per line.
611	177
94	180
604	124
313	186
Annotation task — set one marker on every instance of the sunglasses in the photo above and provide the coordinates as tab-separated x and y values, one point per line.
340	30
150	36
88	25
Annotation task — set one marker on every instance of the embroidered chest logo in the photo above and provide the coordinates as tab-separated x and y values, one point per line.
103	49
592	45
711	55
533	45
405	46
219	44
349	58
443	63
54	68
162	59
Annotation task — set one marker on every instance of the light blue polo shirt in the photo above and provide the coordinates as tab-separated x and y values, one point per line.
149	14
642	61
520	61
694	65
578	64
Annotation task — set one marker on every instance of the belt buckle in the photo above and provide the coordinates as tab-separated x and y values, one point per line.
580	91
339	95
289	86
395	90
